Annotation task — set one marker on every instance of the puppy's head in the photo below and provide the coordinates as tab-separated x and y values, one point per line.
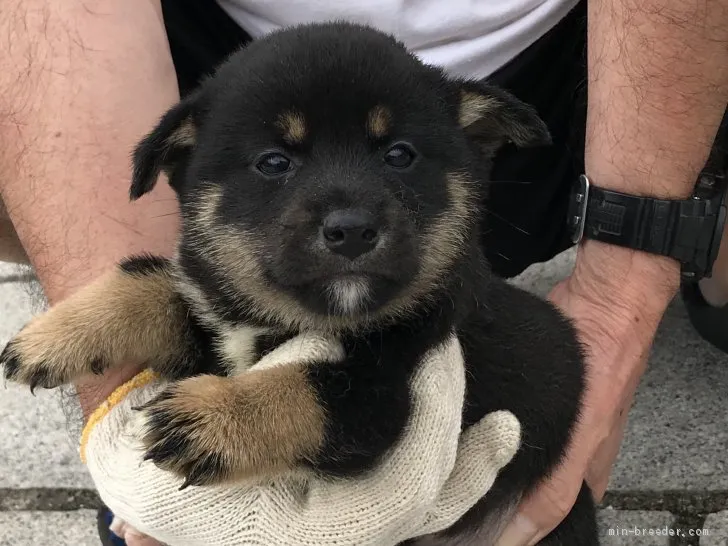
327	175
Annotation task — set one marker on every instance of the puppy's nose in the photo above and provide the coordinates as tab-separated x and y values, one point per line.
350	232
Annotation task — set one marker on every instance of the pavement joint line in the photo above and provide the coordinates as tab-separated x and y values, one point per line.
13	278
18	278
679	502
687	506
47	499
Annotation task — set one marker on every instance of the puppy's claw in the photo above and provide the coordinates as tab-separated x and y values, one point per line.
34	373
162	454
41	378
97	366
208	470
10	363
175	440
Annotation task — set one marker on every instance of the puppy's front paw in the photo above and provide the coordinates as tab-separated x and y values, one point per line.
185	433
212	430
22	370
44	355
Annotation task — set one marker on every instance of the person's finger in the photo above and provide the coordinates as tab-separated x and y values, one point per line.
546	507
424	456
131	536
389	504
133	539
304	348
603	460
590	457
484	449
141	540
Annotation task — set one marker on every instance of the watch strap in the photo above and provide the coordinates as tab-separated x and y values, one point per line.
687	230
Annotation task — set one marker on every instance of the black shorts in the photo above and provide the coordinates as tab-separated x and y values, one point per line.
526	211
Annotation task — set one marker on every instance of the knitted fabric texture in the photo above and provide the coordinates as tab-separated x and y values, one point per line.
424	484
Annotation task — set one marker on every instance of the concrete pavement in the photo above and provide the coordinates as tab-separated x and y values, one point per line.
671	476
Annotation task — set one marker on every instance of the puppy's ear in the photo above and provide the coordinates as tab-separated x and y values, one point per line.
492	117
169	143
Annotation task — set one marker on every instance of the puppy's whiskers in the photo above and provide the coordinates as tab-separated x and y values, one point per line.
506	221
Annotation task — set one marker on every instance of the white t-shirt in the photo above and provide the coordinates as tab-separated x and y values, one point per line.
471	38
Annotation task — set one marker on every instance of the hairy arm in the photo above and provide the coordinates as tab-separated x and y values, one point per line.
658	88
80	83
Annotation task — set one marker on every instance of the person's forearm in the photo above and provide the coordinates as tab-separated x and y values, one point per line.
658	87
80	83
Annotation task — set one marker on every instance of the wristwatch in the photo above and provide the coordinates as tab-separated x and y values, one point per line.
688	230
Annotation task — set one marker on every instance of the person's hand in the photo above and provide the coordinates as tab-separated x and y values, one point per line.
616	313
131	536
424	484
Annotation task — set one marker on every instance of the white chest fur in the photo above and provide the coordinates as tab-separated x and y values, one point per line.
238	347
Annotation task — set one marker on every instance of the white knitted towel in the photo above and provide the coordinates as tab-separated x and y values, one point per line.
425	484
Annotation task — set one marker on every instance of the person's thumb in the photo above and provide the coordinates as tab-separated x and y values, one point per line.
545	508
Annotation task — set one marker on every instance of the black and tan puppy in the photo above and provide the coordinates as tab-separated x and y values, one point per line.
328	182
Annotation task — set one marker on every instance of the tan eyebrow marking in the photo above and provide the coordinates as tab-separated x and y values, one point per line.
379	121
293	126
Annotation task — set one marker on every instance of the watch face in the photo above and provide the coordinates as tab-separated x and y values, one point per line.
577	208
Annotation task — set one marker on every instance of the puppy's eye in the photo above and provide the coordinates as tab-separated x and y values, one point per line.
273	164
399	156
